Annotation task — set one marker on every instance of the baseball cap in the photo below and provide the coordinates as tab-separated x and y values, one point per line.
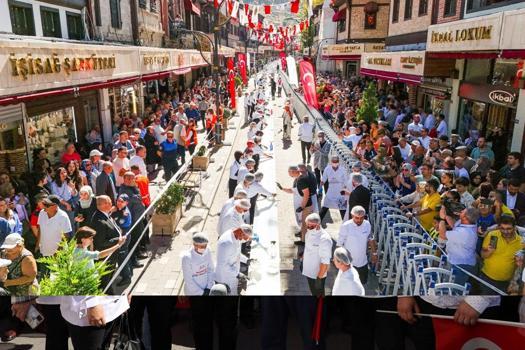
12	240
95	152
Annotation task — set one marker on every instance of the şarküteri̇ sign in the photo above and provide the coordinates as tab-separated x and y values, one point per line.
29	65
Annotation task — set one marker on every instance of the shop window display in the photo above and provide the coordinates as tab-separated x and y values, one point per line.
472	114
12	147
52	131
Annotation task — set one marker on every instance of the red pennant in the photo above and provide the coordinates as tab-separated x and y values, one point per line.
295	6
231	82
301	26
270	28
267	9
246	8
230	6
306	24
259	26
216	3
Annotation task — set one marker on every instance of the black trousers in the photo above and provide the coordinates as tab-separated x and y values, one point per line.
363	273
324	211
222	311
316	291
253	203
159	310
88	338
274	323
57	332
232	183
305	151
203	119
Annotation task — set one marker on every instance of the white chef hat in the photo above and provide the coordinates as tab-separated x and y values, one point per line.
342	255
243	203
239	193
200	238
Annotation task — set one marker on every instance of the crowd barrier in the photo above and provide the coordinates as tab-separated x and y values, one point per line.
410	261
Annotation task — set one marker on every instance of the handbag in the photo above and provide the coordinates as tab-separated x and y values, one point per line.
126	339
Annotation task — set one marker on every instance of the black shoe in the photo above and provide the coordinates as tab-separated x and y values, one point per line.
137	265
141	256
124	282
298	234
299	243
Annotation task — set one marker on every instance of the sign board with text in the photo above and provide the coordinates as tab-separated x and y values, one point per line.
407	62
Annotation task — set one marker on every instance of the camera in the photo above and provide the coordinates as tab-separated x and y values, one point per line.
452	207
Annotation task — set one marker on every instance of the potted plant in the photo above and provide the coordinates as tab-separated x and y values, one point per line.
70	275
168	210
200	160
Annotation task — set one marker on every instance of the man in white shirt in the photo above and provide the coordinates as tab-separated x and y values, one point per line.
158	130
442	125
138	160
404	148
234	217
54	226
356	236
424	139
347	281
120	166
317	255
414	128
430	121
253	189
197	267
229	257
306	136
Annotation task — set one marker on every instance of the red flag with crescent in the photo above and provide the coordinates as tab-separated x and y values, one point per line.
307	76
295	6
242	65
231	82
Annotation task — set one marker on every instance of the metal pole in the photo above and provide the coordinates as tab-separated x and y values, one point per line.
217	75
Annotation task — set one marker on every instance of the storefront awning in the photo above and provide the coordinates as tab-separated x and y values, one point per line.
392	76
512	54
189	5
464	55
342	57
339	15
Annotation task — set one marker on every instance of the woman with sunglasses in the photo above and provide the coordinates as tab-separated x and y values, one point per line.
168	151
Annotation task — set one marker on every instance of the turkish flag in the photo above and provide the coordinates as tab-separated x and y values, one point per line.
267	9
242	65
231	82
283	60
246	8
486	336
307	76
216	3
295	6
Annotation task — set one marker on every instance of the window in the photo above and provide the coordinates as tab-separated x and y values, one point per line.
22	19
370	20
143	4
450	8
50	22
116	19
423	7
479	5
395	11
75	29
98	21
153	5
408	9
341	25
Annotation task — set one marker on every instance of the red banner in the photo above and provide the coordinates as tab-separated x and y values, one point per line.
231	82
242	65
267	9
450	335
295	6
307	76
283	60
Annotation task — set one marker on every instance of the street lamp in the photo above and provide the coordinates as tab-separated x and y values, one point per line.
318	49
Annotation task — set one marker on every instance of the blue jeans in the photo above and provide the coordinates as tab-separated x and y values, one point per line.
461	277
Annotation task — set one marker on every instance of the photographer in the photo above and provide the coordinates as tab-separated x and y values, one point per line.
460	241
498	250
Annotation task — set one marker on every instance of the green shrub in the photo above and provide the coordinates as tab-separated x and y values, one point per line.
171	199
369	105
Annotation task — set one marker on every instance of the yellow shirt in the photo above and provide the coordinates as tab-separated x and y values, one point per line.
429	201
500	265
506	210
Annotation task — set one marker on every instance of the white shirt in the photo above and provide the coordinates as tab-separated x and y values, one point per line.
138	161
348	283
461	244
52	230
477	302
306	132
467	199
229	259
425	141
198	271
74	308
231	220
254	189
355	239
511	200
405	151
355	140
442	128
118	165
235	170
158	130
429	122
317	251
414	128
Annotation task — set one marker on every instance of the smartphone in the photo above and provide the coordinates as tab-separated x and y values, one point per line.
279	186
493	242
34	318
342	193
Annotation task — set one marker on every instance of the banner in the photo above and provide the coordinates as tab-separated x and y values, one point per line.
294	8
248	65
231	82
235	9
292	71
283	60
242	65
489	336
306	71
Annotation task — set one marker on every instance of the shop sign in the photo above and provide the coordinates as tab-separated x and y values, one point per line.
343	49
512	37
23	66
156	60
407	62
481	33
374	47
501	97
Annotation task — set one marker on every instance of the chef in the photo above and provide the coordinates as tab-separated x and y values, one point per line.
234	217
317	255
237	194
347	281
197	267
253	190
293	172
229	257
248	167
337	178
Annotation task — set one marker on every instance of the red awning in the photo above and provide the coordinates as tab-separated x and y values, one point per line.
342	57
339	15
462	55
393	76
512	54
189	5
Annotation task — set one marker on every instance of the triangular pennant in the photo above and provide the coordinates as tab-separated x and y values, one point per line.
235	9
294	8
267	9
246	7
